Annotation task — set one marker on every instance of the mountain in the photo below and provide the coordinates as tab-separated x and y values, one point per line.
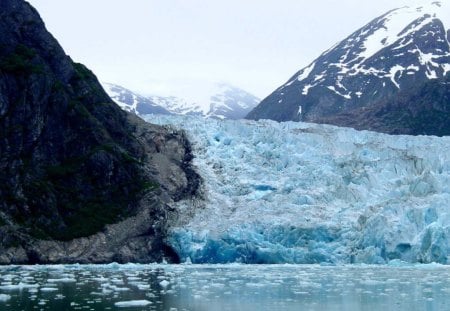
397	52
81	180
133	102
424	109
216	100
306	193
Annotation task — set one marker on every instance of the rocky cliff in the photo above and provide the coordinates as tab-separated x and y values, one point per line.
81	180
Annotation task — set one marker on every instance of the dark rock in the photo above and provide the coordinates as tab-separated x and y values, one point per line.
82	180
421	110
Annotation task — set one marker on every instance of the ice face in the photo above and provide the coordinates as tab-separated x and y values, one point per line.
305	193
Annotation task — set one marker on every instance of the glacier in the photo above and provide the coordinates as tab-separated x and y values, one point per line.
308	193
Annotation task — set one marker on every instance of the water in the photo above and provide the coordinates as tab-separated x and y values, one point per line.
224	287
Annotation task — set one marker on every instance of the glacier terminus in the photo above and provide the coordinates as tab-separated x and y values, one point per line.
306	193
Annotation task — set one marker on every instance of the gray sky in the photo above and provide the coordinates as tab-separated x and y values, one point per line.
158	46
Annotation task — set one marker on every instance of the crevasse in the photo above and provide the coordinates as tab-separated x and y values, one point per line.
307	193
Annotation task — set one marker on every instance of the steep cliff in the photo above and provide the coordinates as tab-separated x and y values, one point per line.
81	180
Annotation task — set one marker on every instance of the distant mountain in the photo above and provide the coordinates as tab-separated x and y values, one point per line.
397	52
133	102
219	100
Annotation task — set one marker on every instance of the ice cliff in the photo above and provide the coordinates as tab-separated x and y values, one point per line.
306	193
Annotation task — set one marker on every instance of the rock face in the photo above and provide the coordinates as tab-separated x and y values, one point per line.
81	180
396	53
424	109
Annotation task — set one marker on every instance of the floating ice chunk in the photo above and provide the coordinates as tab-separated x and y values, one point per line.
4	297
19	286
132	303
62	280
120	289
49	289
164	283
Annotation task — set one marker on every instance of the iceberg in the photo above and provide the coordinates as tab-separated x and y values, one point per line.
307	193
4	297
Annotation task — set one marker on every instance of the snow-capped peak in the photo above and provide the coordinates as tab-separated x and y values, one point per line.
209	100
400	23
400	50
394	29
217	100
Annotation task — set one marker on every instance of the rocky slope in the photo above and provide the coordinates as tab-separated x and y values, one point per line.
422	110
210	100
81	180
395	53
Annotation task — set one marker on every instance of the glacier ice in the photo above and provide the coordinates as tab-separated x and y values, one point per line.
307	193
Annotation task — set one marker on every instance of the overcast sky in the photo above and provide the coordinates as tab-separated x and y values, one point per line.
159	46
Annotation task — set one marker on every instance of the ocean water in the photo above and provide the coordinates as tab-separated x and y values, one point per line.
225	287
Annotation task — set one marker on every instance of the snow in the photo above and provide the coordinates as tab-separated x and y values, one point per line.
305	193
306	89
332	88
446	68
113	92
393	72
205	99
396	21
359	54
305	72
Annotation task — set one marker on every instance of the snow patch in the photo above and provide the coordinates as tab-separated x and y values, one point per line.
393	72
306	72
446	68
332	88
306	89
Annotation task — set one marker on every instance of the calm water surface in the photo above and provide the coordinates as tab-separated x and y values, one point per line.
224	287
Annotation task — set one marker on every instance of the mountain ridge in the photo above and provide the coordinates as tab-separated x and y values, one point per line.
218	100
401	49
